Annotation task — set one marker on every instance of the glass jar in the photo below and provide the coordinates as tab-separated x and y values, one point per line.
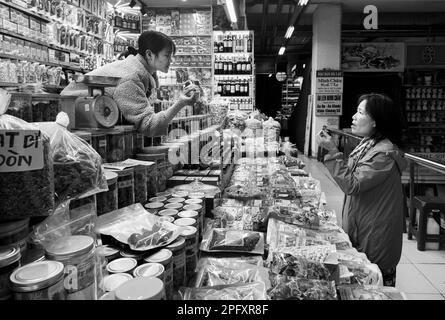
77	255
128	132
14	234
141	289
191	250
115	145
20	107
162	176
152	183
107	201
178	250
136	255
140	184
9	261
99	143
164	257
125	185
198	208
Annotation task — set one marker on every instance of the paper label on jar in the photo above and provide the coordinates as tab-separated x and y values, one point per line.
79	276
125	184
102	143
21	150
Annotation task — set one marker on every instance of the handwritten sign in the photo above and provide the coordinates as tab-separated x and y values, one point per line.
21	150
329	93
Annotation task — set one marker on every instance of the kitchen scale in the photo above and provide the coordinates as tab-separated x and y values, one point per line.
96	111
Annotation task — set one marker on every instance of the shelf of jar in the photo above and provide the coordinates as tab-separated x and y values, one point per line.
234	75
425	110
442	98
26	10
51	64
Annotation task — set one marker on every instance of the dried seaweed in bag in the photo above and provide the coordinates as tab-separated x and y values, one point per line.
223	240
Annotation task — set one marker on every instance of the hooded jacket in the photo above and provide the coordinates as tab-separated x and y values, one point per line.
131	94
373	214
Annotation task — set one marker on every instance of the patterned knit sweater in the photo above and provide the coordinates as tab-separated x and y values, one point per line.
131	94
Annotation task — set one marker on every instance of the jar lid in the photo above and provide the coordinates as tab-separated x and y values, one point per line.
188	214
7	228
166	219
106	251
163	256
141	289
197	195
157	199
163	194
185	222
9	256
122	265
154	205
177	245
36	275
135	255
193	207
68	247
180	194
113	281
110	176
176	206
194	201
189	232
176	200
123	172
150	270
168	212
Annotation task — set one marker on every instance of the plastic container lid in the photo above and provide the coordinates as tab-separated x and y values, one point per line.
150	270
193	207
157	199
189	232
122	265
163	256
177	245
141	288
176	206
69	247
168	212
166	219
113	281
188	214
111	177
185	222
154	205
9	256
36	276
106	251
176	200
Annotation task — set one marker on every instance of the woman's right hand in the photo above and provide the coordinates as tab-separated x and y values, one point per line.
324	140
189	101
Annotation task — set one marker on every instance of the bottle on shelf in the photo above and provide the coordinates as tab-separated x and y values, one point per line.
249	43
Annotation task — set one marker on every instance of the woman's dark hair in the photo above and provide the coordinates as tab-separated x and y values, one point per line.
151	40
387	117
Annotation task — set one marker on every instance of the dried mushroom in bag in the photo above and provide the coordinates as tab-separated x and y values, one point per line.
26	170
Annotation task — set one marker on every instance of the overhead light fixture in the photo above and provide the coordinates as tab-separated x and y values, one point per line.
231	10
303	2
281	52
289	32
304	65
270	75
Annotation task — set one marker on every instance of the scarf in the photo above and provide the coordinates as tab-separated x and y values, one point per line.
360	151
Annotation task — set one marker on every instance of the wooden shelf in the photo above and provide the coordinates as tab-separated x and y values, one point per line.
424	86
22	85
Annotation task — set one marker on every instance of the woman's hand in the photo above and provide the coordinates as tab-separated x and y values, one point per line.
188	101
324	140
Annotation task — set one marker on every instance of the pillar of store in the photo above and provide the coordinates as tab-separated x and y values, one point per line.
326	51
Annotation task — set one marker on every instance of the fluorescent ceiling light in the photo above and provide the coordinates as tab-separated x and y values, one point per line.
303	2
231	10
289	32
281	52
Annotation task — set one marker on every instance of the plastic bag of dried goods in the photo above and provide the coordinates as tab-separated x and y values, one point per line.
250	291
370	292
26	168
223	240
77	166
285	288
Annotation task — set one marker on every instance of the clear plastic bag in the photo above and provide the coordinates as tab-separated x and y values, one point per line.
141	230
26	174
360	273
77	166
289	161
284	287
234	262
251	291
356	292
223	240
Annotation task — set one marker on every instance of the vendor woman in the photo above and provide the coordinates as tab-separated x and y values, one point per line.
138	82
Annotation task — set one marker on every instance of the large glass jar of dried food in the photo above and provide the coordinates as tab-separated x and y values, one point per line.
99	143
152	177
128	140
162	175
45	108
20	106
140	184
107	201
125	185
115	145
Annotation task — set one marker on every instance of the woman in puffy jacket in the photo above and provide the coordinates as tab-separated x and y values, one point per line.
373	214
138	82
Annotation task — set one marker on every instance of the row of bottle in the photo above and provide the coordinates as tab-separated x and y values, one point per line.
241	104
233	65
127	22
233	43
423	105
425	117
233	87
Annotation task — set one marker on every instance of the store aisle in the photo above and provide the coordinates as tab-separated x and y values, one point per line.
420	274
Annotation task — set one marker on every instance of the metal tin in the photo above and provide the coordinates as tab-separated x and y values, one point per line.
178	250
200	209
164	257
186	222
14	234
176	200
113	281
168	213
141	289
188	214
39	281
154	207
191	250
157	199
176	206
9	261
125	184
122	265
150	270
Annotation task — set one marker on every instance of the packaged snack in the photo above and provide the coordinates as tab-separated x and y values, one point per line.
250	291
284	287
223	240
360	273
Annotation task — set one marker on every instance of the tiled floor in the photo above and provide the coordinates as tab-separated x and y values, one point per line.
420	274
